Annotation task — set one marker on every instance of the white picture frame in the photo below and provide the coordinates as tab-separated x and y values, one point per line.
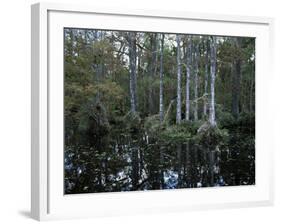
47	198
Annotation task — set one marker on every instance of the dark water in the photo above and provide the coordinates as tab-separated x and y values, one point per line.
126	164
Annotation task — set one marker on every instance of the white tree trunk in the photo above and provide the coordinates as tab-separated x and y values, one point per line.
188	71
161	101
206	77
213	53
178	115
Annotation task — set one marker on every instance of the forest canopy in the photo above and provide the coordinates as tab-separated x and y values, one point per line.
150	111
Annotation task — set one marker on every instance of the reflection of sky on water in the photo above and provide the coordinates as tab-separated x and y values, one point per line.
171	179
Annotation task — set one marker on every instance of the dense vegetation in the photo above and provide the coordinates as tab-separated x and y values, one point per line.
157	111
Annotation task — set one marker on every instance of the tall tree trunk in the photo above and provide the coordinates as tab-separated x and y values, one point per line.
139	53
161	110
188	71
152	68
161	102
206	78
213	55
178	115
132	61
196	59
236	78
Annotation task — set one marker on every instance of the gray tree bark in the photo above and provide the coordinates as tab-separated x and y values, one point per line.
206	78
161	109
132	65
236	79
152	68
178	113
161	101
196	59
188	71
213	58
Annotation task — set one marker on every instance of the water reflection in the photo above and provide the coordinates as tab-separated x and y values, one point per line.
143	165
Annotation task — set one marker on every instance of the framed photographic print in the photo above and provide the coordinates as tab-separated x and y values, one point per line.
138	111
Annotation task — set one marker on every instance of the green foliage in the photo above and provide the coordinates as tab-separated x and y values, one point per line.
225	118
153	125
132	122
111	94
170	134
211	137
176	134
93	117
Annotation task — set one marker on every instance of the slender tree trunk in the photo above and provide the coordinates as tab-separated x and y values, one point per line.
139	53
152	68
161	110
188	71
161	102
178	115
155	54
196	57
213	53
206	78
132	60
236	79
150	74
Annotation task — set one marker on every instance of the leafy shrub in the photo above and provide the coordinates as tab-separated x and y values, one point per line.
132	121
211	136
176	134
153	125
225	119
